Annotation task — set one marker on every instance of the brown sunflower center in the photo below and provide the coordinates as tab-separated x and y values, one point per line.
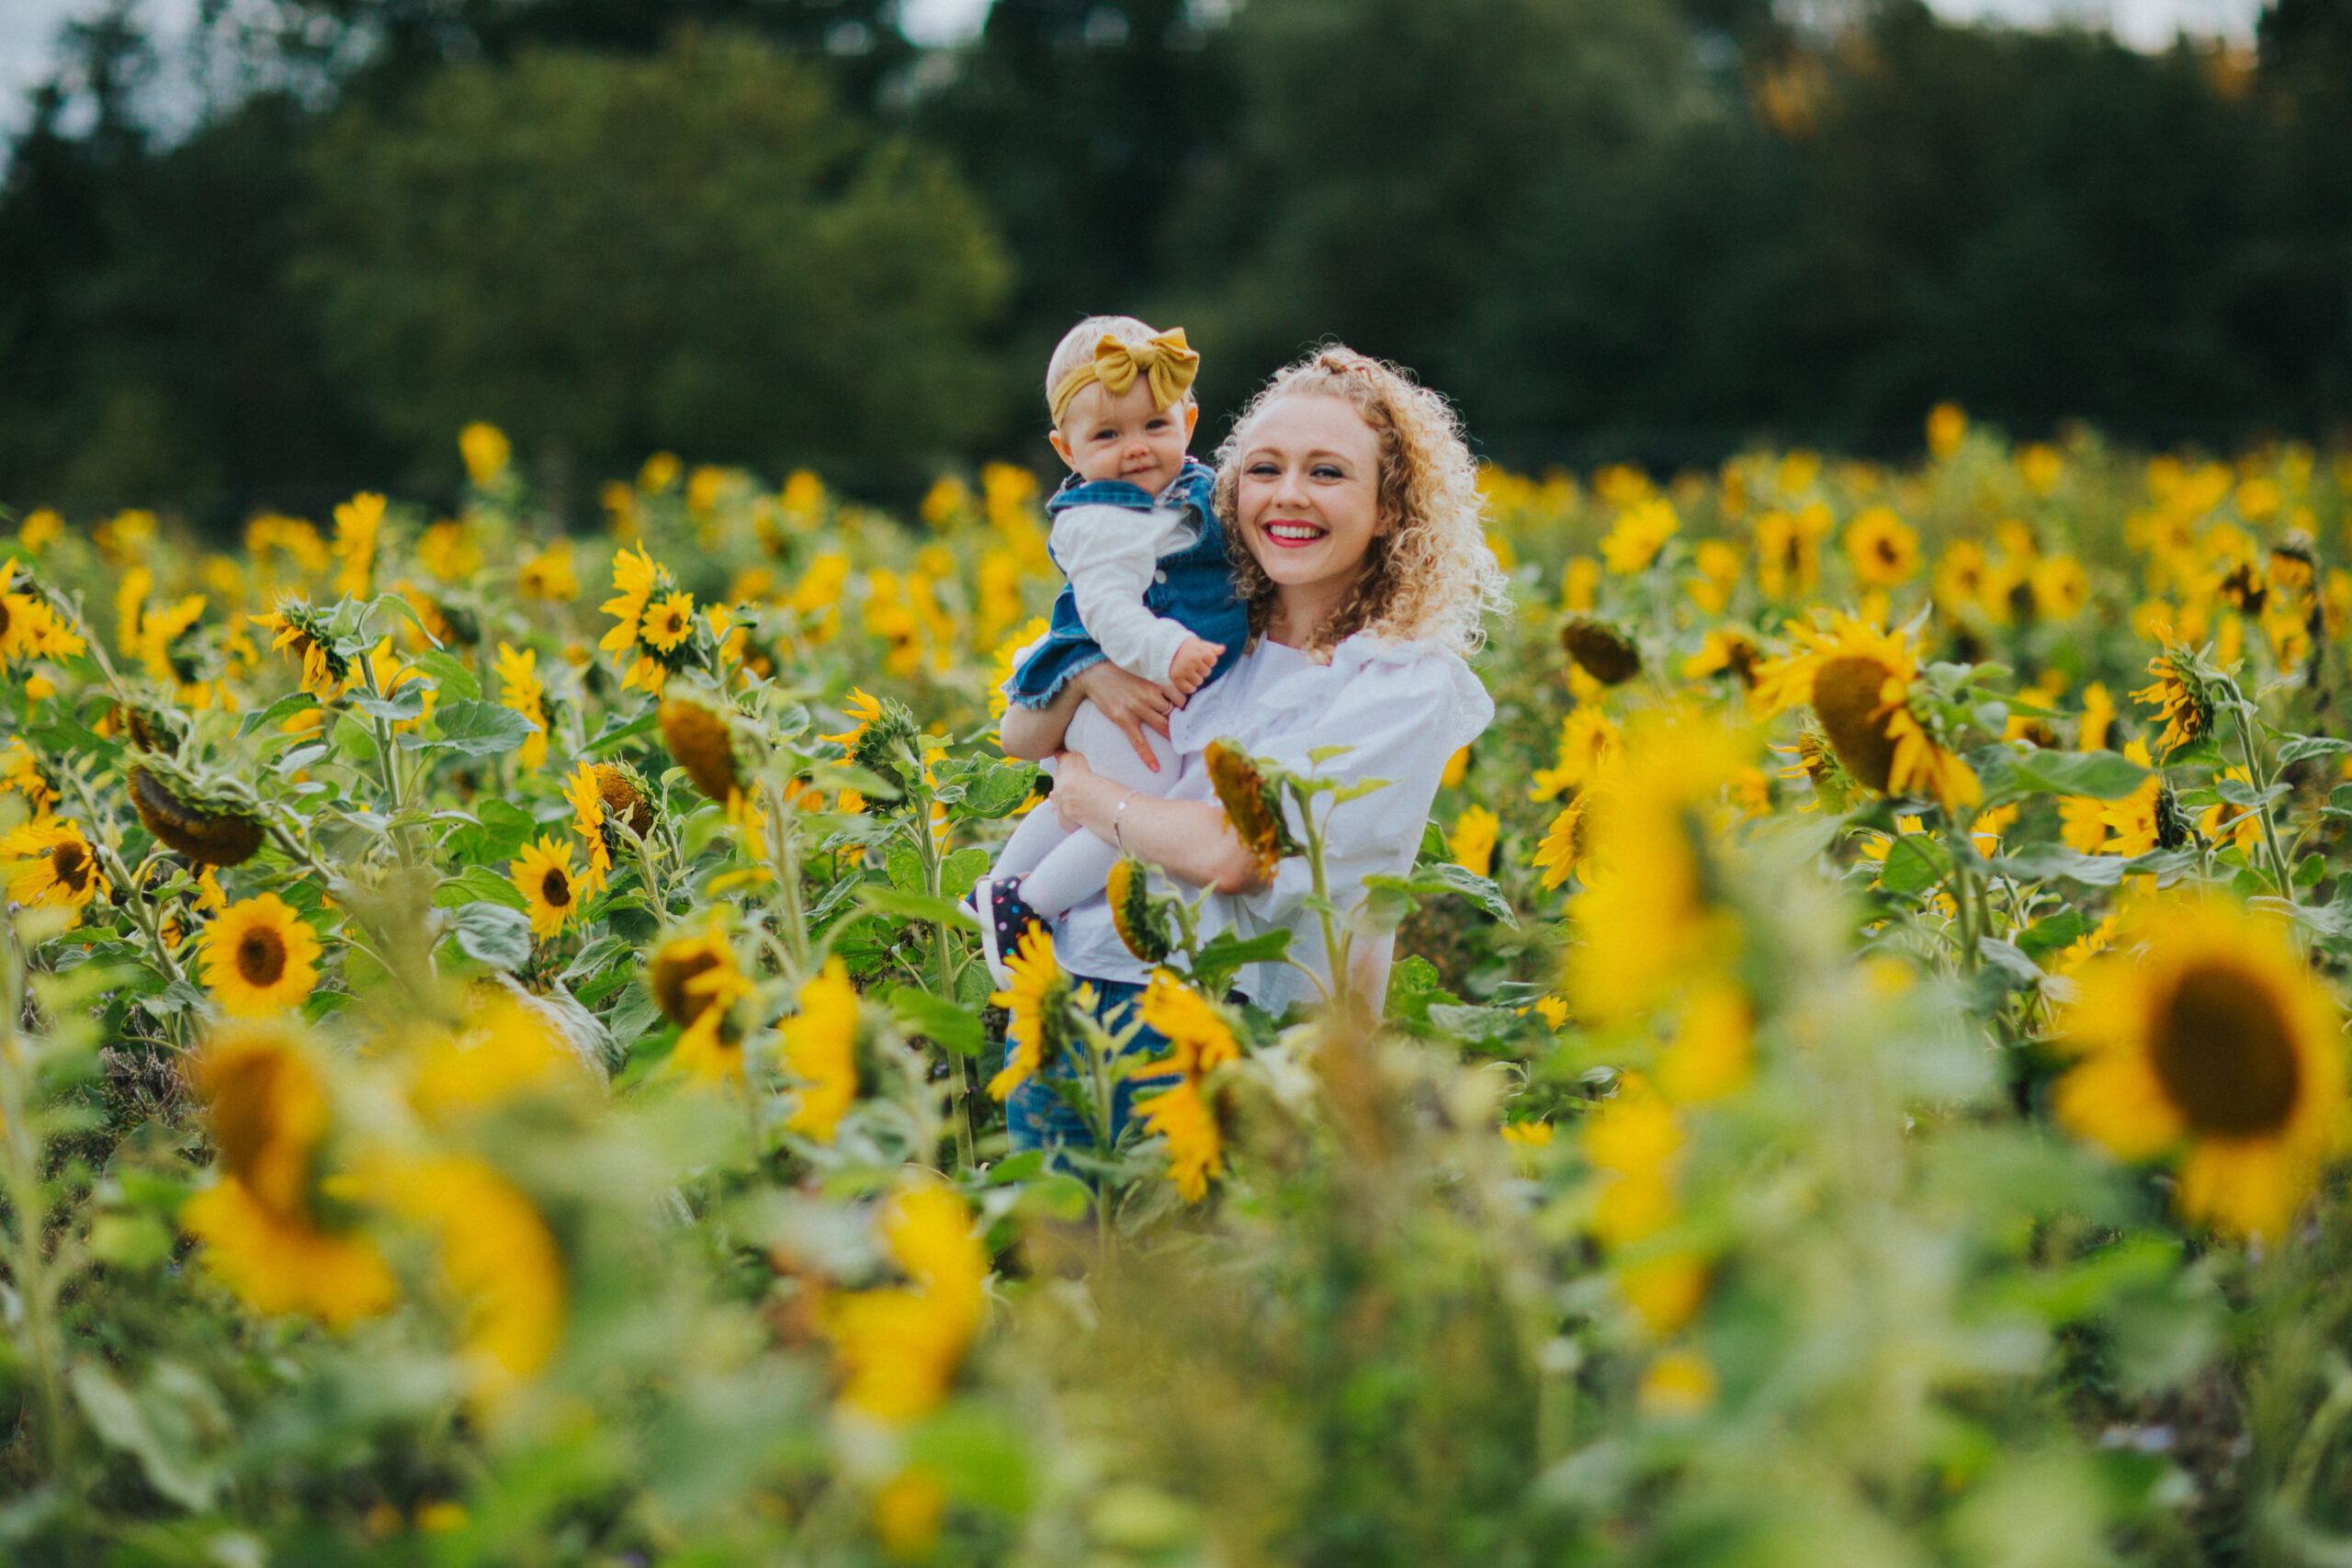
556	888
1845	694
70	865
1887	552
261	958
2225	1054
671	974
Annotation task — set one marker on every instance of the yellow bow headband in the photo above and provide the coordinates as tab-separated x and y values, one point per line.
1167	360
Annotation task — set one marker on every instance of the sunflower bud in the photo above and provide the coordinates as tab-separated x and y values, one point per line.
707	737
1139	924
211	820
1605	652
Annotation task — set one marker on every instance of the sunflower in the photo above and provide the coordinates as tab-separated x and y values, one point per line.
636	577
2061	588
2217	1048
499	1262
1604	651
1884	550
212	822
1555	857
666	625
1472	842
1727	651
1200	1041
302	634
259	957
899	1347
357	522
1140	926
1859	681
702	732
1589	744
1040	991
589	821
1007	659
1639	533
519	688
543	872
268	1114
54	865
1649	915
22	775
820	1050
1251	805
878	730
2181	691
690	973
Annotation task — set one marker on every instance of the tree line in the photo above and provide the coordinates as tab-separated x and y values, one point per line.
775	233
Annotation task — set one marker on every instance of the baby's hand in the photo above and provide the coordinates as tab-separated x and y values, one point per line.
1195	658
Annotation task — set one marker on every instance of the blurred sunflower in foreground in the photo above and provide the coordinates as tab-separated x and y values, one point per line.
2215	1046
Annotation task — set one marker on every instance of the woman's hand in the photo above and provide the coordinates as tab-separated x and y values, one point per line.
1132	702
1189	839
1076	790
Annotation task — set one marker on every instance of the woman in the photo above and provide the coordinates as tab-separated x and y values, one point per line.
1352	502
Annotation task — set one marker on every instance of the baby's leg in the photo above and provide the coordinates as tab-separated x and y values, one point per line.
1032	839
1080	864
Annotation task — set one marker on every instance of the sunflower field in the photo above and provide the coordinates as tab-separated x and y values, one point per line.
494	1070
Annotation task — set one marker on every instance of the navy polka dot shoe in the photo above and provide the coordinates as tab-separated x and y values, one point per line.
1005	918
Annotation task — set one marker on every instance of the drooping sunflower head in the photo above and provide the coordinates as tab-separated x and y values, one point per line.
303	636
622	790
211	820
2184	694
1603	651
1250	804
1860	681
1139	924
705	735
2216	1047
260	957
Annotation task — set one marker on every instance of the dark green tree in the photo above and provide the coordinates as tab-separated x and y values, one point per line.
696	250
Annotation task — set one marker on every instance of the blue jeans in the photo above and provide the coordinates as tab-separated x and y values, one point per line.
1037	1118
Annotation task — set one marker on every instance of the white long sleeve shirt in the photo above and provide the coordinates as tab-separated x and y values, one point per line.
1404	709
1110	554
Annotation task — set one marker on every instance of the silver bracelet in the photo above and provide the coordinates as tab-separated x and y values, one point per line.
1116	836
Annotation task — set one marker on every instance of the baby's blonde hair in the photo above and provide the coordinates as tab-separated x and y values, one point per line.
1432	578
1078	346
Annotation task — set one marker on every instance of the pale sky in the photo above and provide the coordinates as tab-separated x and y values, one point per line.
28	27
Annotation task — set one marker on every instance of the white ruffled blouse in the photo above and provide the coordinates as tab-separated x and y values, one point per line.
1403	708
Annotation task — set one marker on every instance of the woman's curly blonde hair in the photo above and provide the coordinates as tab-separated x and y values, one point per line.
1431	576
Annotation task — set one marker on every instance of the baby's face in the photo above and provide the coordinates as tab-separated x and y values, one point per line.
1103	438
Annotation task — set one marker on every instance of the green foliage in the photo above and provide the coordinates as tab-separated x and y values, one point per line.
693	250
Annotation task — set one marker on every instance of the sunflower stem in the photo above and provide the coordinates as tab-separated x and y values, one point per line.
2259	780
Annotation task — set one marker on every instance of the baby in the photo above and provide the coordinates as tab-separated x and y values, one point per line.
1150	589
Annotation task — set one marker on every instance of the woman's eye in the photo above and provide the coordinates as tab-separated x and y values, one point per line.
1261	470
1326	471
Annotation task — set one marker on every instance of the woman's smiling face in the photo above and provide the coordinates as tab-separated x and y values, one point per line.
1308	501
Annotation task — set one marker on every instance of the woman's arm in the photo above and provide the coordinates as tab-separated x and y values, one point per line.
1129	701
1189	839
